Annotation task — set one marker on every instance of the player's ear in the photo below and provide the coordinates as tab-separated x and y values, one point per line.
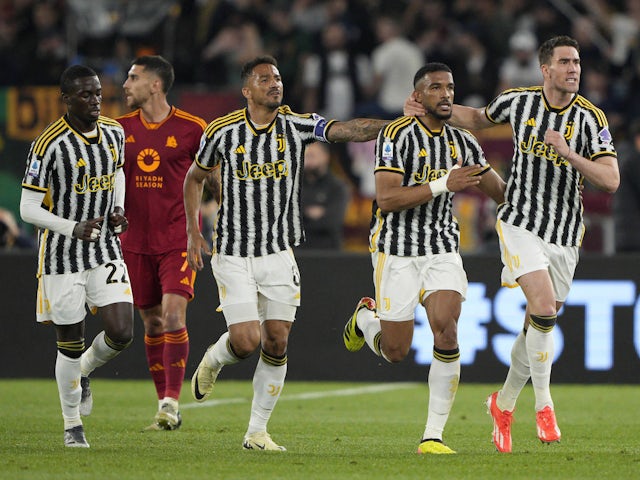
65	98
246	93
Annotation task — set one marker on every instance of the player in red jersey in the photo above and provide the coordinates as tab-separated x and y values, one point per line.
161	143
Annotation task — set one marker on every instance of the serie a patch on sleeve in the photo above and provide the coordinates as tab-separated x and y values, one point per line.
605	136
34	168
387	149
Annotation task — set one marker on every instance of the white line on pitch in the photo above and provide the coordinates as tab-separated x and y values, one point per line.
309	395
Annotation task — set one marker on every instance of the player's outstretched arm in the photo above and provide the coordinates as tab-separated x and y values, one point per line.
469	118
356	130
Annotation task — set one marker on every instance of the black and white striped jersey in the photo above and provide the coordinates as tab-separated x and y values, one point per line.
407	146
78	176
261	172
543	194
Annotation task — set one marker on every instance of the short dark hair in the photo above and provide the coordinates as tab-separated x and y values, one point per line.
545	52
428	68
248	67
160	66
72	73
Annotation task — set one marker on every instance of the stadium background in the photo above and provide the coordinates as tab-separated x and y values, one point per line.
600	330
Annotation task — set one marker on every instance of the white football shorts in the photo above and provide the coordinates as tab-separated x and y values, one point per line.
257	288
62	299
524	252
404	282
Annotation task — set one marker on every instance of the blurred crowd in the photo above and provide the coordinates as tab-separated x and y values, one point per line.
341	58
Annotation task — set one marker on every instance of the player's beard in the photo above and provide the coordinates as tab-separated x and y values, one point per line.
273	104
439	116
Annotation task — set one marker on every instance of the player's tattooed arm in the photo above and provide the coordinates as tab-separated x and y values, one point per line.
356	130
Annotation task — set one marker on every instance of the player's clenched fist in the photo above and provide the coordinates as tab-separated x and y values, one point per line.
88	230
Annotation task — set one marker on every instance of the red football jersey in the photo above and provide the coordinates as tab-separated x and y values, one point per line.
157	157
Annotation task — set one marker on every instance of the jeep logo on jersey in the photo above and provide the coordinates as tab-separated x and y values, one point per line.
93	184
428	174
256	172
148	160
541	149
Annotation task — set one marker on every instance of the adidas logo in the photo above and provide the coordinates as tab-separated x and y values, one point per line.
81	163
130	139
240	149
185	281
179	364
156	367
531	122
423	153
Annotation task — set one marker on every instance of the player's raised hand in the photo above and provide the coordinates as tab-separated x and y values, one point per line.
463	177
88	230
413	108
197	246
558	142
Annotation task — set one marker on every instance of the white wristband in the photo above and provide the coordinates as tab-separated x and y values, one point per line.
439	186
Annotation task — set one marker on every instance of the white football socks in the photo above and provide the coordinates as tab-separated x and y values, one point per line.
69	390
220	353
517	377
96	355
369	324
540	351
443	385
268	381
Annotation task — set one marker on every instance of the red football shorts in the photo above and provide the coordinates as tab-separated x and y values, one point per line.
153	276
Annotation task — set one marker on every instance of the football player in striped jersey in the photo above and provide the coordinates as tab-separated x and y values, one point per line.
73	190
560	139
414	241
260	153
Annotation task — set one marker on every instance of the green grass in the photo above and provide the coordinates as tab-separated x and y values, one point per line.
328	436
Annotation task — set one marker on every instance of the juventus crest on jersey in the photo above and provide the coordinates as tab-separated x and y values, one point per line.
261	172
77	174
543	189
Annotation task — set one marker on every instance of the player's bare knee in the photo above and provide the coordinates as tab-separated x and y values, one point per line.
275	346
245	344
173	320
395	353
153	326
120	335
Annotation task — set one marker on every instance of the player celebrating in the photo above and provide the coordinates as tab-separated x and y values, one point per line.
420	163
260	151
75	170
161	143
560	139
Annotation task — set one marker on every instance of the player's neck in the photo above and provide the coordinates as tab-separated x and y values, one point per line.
557	98
261	115
156	110
432	123
80	125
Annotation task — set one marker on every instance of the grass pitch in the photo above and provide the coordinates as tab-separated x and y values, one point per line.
331	431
